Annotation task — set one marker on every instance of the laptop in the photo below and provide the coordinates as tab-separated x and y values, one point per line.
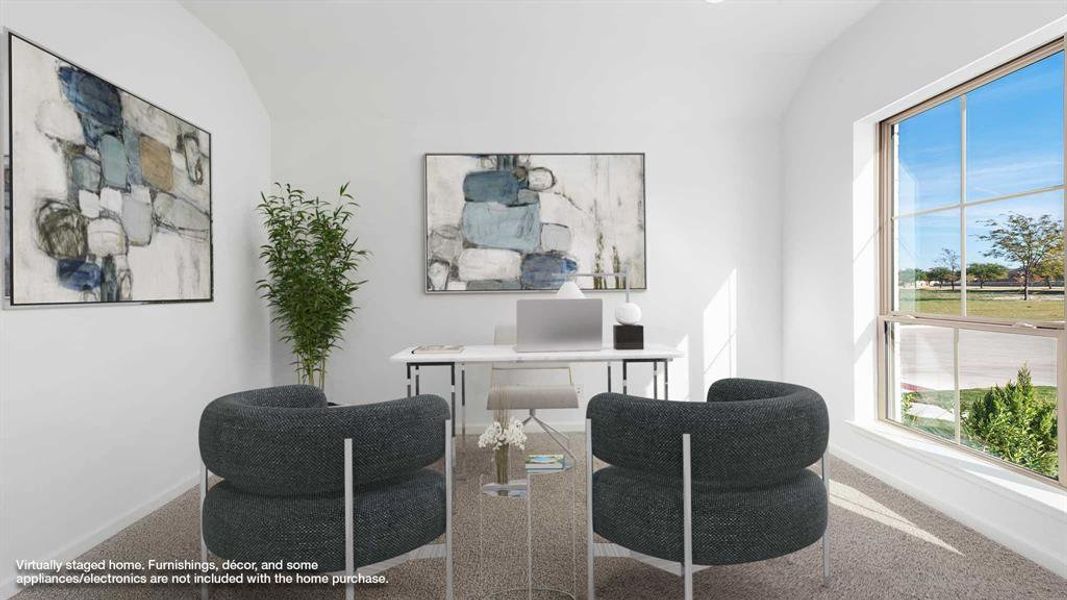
559	324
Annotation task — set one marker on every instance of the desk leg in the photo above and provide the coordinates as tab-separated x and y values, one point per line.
624	380
453	392
666	380
655	381
417	380
409	379
463	397
609	377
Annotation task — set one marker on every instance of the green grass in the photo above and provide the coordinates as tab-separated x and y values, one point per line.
1004	303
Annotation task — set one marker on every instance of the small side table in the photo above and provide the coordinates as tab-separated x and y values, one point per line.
523	491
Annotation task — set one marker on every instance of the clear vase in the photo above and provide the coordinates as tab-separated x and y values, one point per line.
500	457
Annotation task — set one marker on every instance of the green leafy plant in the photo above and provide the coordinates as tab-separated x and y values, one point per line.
311	265
1013	423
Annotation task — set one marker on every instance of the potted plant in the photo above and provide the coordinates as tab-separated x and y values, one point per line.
311	266
501	435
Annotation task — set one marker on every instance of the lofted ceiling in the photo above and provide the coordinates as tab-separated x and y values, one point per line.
750	55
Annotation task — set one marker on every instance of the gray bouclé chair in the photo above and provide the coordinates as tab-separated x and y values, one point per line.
690	484
345	487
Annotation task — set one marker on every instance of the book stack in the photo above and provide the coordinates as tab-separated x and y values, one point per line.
544	462
437	349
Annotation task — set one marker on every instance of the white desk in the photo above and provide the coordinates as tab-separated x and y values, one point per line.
488	354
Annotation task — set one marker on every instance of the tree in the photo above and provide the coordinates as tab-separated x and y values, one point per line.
1026	241
940	275
950	261
311	268
911	276
1051	270
1013	423
983	272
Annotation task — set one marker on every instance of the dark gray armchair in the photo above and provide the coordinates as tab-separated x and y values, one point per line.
708	483
290	465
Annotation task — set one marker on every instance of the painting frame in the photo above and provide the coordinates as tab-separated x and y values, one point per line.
426	253
10	295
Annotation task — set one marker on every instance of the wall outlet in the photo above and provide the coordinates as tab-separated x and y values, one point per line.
580	391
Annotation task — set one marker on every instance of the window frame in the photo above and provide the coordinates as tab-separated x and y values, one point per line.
887	267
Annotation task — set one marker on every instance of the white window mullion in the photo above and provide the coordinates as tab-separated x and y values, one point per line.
963	231
956	377
1061	408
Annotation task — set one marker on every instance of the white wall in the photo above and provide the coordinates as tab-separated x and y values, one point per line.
99	405
559	80
829	330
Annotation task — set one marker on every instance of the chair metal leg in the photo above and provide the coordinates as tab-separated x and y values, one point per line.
590	591
687	509
350	530
825	534
205	591
450	449
453	419
551	434
548	427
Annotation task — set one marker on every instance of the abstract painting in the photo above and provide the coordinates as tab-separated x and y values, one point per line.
500	222
110	195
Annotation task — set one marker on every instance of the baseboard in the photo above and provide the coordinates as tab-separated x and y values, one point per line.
76	548
1049	560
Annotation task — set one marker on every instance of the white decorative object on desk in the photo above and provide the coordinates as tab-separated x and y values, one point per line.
628	314
570	291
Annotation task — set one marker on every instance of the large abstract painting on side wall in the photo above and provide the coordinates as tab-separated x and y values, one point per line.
110	195
499	222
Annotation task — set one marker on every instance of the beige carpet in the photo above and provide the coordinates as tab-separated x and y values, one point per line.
883	545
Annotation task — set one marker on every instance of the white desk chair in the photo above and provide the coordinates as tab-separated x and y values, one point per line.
533	388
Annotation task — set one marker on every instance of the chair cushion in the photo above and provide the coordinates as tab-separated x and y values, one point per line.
526	397
643	512
392	517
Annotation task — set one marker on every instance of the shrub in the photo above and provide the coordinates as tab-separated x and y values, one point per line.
1013	423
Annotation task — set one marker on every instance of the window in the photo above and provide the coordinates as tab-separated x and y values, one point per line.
972	314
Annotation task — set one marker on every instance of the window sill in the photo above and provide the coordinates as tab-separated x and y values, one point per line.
1045	497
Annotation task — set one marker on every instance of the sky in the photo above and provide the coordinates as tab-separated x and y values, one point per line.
1014	144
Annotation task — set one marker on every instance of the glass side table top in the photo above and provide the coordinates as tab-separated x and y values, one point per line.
511	565
519	488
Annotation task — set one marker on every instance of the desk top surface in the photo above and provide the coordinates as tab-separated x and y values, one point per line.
490	353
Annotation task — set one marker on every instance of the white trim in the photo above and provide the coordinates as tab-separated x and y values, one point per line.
1028	494
87	542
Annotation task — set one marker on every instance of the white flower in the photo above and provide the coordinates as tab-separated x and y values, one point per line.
497	436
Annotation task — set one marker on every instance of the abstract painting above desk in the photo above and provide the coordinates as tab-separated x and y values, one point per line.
111	195
511	222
